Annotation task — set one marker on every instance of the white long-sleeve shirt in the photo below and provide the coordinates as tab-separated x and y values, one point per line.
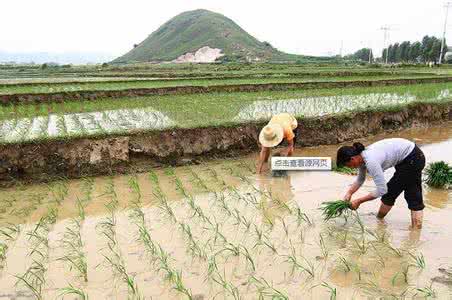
380	156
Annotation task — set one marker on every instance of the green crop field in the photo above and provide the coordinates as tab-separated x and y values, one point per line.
124	85
28	122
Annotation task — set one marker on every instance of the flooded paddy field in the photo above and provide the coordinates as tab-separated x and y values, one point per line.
28	122
8	89
219	231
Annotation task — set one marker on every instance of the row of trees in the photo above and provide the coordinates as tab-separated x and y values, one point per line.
428	50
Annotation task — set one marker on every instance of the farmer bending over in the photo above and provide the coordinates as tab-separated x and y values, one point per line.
408	161
280	127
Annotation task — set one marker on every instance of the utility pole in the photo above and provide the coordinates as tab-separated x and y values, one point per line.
342	47
443	41
370	55
386	29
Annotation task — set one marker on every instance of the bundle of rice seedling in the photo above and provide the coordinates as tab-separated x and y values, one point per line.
345	170
334	209
439	174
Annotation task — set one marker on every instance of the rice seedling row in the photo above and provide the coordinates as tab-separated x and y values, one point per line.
113	257
34	278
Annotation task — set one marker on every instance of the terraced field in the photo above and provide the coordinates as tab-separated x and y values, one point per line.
74	119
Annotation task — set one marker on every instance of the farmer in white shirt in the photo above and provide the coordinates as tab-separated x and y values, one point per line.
408	160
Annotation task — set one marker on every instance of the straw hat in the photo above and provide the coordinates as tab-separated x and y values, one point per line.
294	123
271	135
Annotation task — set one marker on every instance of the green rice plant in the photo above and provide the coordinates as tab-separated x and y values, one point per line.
232	290
362	245
59	190
372	289
33	282
135	188
34	277
3	249
215	227
359	221
280	203
259	234
199	181
80	209
304	265
231	248
285	227
153	177
215	176
236	215
396	251
222	201
193	245
158	254
266	242
266	290
323	247
418	260
118	267
404	272
439	174
166	207
73	244
426	292
303	217
334	209
333	291
212	266
347	265
248	257
10	232
114	257
71	290
180	287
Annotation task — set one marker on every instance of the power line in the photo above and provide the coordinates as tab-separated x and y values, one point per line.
386	29
443	41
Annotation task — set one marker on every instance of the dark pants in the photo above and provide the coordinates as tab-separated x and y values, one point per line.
408	179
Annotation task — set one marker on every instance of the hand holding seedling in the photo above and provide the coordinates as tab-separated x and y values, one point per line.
354	205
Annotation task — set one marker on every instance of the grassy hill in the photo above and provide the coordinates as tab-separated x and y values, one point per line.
189	31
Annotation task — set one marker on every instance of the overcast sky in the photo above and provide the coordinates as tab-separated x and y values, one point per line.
314	27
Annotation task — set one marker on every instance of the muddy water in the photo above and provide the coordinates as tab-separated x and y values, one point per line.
217	230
